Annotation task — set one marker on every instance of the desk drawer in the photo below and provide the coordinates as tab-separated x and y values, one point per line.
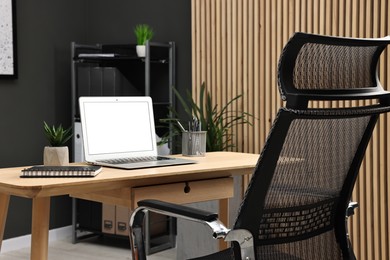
186	192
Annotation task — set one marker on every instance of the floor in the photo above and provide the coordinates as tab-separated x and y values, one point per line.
93	249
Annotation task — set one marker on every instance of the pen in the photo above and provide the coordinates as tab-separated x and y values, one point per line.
194	124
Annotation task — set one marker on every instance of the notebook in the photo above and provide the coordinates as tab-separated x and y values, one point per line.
119	132
61	171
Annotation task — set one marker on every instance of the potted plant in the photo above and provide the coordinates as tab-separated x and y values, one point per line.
57	153
143	33
217	122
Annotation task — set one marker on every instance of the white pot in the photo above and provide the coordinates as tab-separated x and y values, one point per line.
140	50
56	156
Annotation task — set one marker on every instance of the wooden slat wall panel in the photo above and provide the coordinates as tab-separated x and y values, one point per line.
235	49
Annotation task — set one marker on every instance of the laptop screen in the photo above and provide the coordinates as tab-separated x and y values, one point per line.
118	126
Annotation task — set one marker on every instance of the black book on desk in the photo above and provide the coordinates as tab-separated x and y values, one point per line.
61	171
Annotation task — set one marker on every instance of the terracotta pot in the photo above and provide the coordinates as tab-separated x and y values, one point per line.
56	156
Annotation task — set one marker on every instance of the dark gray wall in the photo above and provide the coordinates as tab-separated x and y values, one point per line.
170	19
45	29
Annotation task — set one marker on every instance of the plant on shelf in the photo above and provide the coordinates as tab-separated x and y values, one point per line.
217	122
143	33
57	153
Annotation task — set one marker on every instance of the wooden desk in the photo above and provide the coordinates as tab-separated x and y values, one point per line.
125	187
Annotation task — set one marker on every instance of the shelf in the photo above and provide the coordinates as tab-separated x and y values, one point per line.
161	104
108	57
100	53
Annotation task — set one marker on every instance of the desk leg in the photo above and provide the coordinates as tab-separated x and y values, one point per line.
4	202
224	218
40	228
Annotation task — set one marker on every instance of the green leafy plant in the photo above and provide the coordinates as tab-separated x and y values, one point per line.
217	123
57	136
143	33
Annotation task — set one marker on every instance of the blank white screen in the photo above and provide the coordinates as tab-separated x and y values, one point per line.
118	127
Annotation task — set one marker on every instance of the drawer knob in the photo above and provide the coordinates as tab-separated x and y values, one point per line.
187	188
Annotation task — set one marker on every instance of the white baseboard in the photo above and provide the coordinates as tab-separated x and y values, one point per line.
16	243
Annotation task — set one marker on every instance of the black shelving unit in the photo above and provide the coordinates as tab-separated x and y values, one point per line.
109	70
116	70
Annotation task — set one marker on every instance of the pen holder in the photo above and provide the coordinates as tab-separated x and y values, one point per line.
194	143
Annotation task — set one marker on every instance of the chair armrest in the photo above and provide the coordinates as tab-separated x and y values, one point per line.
180	211
243	237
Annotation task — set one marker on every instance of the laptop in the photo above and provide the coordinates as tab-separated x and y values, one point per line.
119	132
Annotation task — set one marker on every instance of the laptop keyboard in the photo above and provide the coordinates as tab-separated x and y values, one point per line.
135	159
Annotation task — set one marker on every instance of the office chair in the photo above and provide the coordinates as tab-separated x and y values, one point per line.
297	201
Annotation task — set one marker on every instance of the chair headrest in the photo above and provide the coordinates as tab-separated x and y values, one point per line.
318	67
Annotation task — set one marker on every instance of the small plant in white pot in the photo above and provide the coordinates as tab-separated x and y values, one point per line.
57	154
143	33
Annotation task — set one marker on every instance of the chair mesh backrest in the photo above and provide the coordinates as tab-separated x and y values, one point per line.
315	159
321	66
306	185
297	213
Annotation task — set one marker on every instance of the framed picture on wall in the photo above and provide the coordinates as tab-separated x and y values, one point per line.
8	61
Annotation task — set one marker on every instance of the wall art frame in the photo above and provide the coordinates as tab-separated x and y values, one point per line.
8	57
